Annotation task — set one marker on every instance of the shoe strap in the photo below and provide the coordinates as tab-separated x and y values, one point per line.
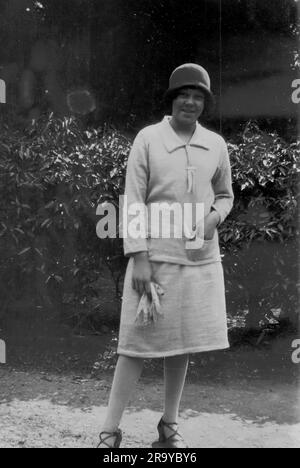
109	435
175	432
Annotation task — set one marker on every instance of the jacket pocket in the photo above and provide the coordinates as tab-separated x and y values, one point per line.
207	252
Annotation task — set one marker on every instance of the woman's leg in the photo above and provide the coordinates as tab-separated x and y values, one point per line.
175	368
128	371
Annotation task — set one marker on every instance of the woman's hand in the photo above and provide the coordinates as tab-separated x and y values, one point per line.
210	223
142	273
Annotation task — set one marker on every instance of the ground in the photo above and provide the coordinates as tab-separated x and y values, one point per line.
44	410
55	387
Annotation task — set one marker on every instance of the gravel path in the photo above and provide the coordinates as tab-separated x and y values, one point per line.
42	410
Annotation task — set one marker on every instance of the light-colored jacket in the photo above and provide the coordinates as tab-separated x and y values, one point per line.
157	172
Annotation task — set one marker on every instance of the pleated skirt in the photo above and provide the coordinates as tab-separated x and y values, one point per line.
193	308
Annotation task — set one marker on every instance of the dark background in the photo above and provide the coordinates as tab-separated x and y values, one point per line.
124	51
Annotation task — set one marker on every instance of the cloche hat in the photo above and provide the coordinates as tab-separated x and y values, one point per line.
189	74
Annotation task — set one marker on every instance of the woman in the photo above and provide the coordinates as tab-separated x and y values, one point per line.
174	161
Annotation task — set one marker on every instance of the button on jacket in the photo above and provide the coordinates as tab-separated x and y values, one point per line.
162	169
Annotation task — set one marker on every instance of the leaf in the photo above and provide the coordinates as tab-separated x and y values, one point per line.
59	279
39	252
24	251
46	221
50	204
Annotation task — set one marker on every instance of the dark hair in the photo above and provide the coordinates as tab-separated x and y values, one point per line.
172	94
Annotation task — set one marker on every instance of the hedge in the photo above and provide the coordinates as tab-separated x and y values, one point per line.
54	174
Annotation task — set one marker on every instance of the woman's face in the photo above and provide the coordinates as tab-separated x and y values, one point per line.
188	106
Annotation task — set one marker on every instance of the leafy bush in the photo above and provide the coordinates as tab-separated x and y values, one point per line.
51	179
265	172
258	238
53	176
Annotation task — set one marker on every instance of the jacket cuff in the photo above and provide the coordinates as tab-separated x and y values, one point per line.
215	208
132	248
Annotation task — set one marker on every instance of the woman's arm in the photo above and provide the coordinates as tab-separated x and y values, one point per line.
222	185
134	203
135	242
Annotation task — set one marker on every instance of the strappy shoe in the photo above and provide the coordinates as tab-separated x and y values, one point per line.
175	440
105	435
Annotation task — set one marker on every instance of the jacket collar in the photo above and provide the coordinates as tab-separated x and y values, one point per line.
173	142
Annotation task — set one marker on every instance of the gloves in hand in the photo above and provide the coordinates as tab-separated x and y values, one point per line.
149	309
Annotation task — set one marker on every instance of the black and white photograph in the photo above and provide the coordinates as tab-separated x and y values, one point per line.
149	255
